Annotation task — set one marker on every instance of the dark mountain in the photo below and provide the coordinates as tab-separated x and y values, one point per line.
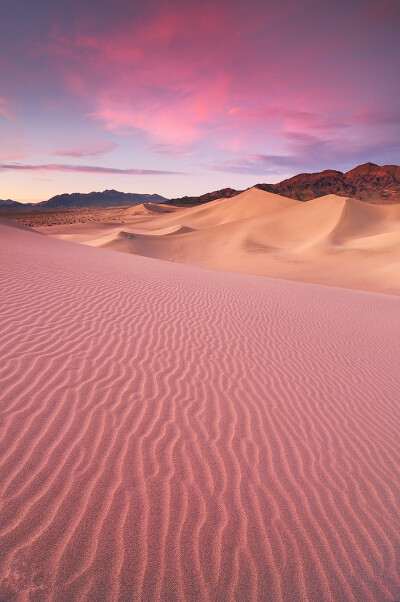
9	204
307	186
368	182
107	198
186	201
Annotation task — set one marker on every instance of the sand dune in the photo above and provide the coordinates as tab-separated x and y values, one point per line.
160	208
150	217
172	433
332	240
251	203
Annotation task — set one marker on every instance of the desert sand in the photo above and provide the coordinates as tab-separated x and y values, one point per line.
174	433
331	240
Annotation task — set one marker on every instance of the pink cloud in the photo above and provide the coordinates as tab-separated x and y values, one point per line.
5	110
88	150
264	79
180	79
169	77
285	119
172	150
13	142
10	153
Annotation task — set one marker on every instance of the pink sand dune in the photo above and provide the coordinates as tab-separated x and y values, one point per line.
173	433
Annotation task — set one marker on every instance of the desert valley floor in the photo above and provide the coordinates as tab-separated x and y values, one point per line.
170	432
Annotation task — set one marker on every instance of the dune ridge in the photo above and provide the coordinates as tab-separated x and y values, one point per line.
331	240
173	433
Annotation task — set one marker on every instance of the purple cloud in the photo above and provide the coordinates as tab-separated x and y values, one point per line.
257	164
308	153
84	169
377	117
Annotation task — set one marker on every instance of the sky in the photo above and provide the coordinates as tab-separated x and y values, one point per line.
182	97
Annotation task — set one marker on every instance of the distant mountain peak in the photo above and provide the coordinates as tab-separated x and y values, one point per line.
368	165
367	182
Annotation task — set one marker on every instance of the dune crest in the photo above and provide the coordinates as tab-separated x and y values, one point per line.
171	433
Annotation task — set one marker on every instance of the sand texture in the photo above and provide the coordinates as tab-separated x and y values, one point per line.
173	433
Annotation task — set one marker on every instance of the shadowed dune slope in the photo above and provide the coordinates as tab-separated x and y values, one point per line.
172	433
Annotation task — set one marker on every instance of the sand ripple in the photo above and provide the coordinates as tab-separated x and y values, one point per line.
171	433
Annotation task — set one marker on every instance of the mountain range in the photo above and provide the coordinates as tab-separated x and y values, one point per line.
107	198
368	182
9	204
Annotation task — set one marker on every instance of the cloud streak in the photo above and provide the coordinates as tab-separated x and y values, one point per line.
83	169
88	150
305	153
257	164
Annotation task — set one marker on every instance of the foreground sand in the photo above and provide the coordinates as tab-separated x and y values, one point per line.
172	433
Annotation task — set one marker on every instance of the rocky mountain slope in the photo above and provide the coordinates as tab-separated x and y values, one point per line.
369	182
225	193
